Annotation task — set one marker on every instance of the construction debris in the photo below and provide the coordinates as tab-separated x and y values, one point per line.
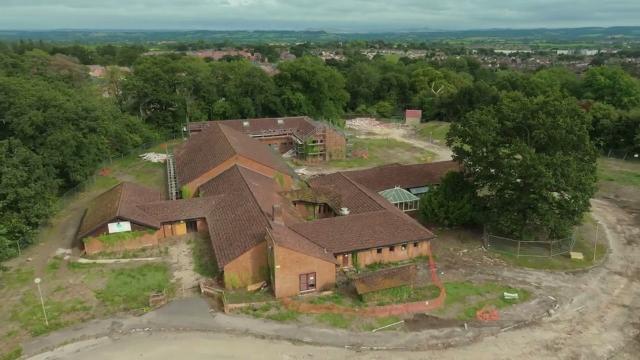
576	255
154	157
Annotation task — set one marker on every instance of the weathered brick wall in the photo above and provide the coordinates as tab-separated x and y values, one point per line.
289	264
336	145
249	268
93	245
371	256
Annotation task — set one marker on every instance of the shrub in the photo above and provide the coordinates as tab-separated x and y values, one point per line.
453	203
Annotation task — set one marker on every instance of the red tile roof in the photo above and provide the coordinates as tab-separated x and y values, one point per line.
362	231
287	238
121	201
216	144
404	176
301	126
413	114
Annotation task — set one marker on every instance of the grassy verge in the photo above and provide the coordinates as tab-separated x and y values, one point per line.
619	172
271	311
13	354
204	260
129	289
59	314
383	151
465	298
585	237
402	294
243	296
435	131
340	321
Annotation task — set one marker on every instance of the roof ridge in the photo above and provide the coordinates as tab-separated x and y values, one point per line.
122	184
253	197
226	136
363	189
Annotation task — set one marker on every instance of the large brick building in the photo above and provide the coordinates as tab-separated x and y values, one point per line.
263	222
302	137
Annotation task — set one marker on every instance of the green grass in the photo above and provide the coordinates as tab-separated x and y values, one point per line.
337	299
270	311
383	151
470	297
13	354
16	278
242	296
402	294
204	260
384	265
584	235
53	265
129	289
340	321
59	314
434	131
619	171
379	322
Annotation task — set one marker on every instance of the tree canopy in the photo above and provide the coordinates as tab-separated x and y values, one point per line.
531	161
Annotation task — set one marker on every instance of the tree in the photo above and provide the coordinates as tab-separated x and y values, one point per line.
613	86
531	160
453	203
308	87
27	192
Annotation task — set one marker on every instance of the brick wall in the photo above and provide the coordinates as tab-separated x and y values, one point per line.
336	145
249	268
370	256
288	265
93	245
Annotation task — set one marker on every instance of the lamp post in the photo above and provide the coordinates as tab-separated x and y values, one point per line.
595	242
44	312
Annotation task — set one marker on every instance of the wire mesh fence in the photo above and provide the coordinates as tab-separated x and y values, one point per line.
538	248
623	154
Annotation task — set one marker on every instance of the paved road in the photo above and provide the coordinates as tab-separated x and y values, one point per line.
599	318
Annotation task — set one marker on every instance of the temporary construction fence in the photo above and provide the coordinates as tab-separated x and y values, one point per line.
536	248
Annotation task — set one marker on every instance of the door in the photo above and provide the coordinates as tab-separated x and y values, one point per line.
345	260
307	282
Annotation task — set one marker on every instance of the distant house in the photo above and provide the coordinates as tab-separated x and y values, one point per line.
412	117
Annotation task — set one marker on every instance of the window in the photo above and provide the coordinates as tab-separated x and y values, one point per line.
403	247
307	282
379	251
392	248
415	244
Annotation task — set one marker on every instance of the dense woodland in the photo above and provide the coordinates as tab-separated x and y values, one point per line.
58	125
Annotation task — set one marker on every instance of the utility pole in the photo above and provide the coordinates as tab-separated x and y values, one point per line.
44	312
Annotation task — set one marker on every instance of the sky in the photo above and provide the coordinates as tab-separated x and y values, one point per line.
332	15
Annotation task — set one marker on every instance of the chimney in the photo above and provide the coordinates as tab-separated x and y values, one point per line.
277	214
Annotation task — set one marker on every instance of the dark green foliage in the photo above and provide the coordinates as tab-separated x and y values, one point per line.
56	130
532	162
613	86
27	192
453	203
309	87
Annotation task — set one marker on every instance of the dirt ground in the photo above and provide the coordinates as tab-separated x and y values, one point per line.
369	128
597	317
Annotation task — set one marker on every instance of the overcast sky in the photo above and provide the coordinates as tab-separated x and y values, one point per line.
348	15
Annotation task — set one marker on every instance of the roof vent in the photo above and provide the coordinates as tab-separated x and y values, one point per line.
344	211
245	123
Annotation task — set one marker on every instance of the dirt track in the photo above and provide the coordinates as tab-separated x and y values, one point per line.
598	318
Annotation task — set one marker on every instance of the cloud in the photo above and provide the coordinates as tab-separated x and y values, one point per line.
357	15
